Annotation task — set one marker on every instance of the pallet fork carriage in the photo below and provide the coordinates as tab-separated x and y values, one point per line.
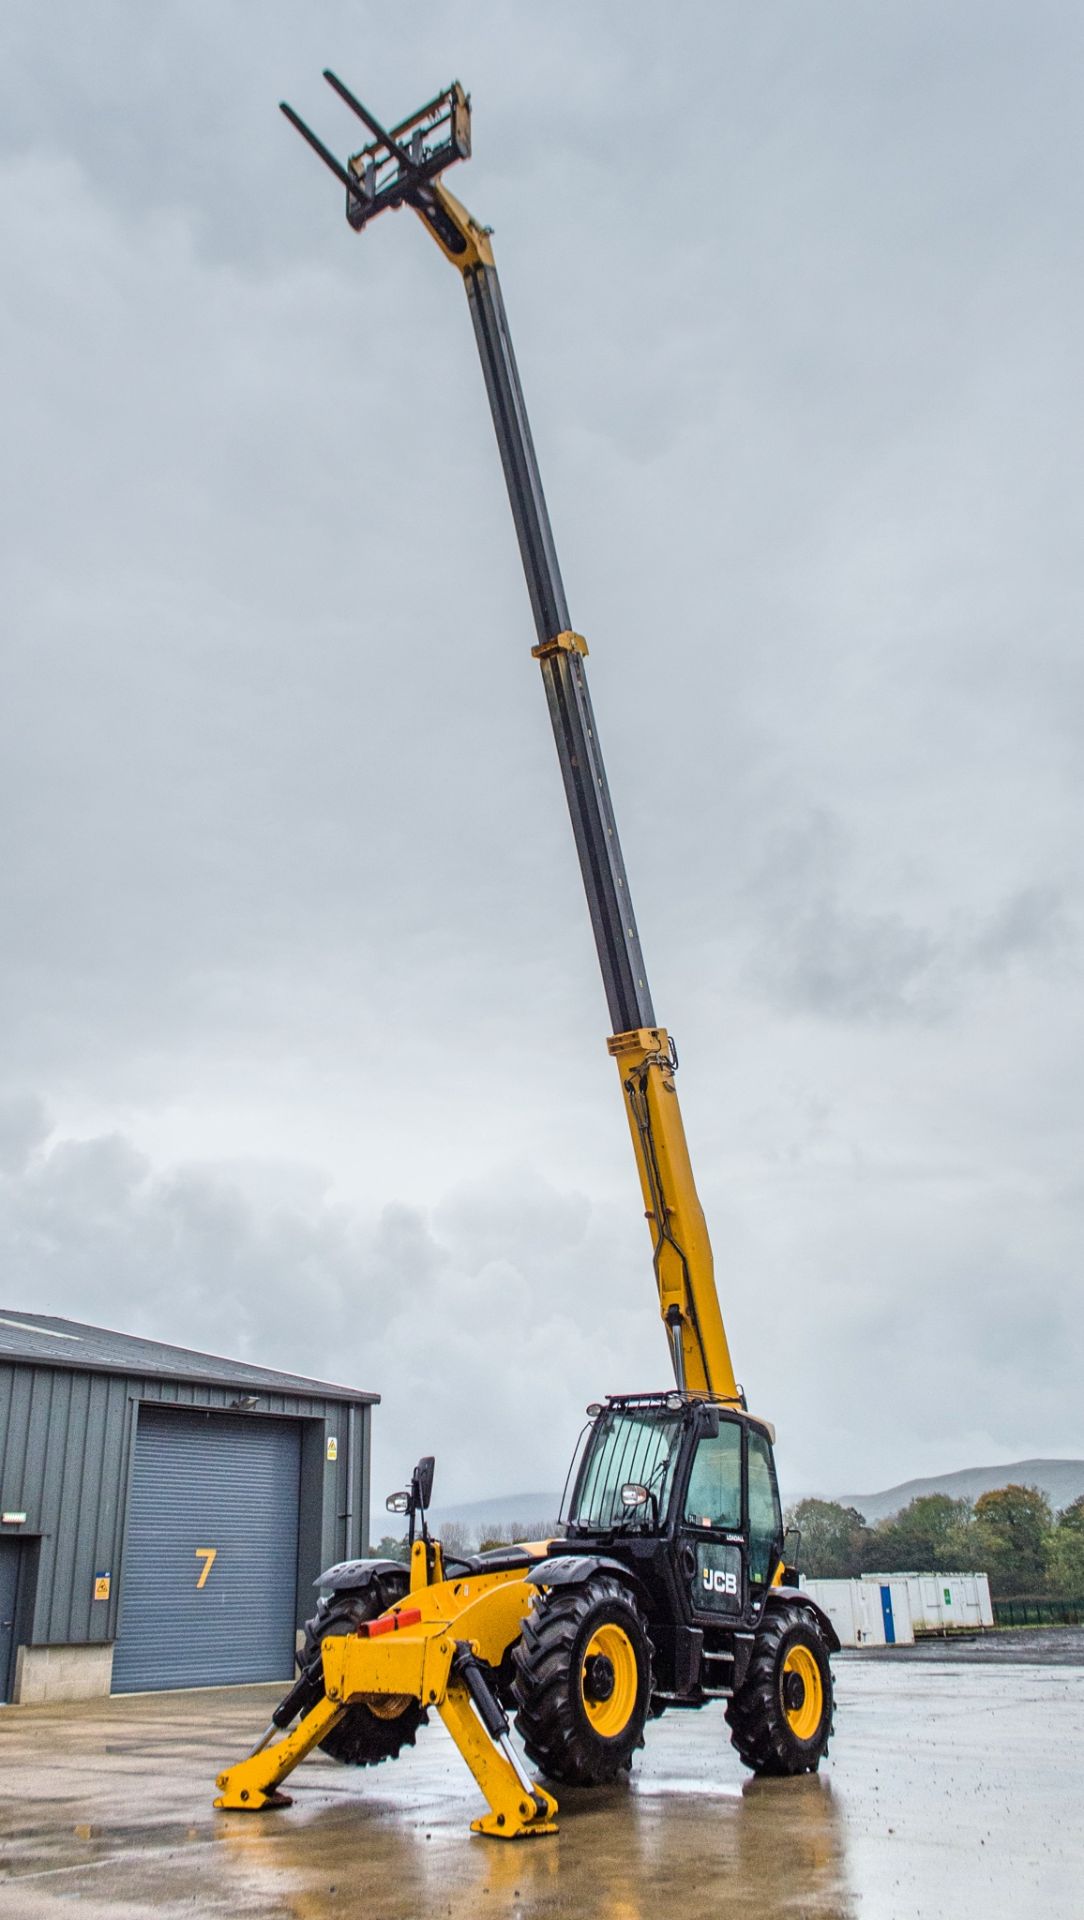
670	1588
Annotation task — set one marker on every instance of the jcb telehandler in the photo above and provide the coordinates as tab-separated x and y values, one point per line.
669	1588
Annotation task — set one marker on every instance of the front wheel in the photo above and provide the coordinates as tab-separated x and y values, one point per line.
583	1681
781	1717
374	1729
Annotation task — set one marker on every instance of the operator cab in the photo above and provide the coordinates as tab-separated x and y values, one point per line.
686	1488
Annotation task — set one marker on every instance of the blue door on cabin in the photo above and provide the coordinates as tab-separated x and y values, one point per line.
886	1614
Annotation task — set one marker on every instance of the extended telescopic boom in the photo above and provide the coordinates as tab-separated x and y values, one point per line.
401	167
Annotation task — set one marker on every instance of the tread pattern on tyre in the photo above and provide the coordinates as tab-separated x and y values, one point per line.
550	1717
755	1714
361	1738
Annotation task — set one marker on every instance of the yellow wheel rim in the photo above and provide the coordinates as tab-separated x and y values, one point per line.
610	1680
804	1717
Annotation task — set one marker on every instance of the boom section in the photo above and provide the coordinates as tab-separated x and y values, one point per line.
401	168
561	654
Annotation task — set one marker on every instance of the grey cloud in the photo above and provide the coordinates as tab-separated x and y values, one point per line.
1032	922
817	949
294	951
24	1129
513	1298
819	952
455	1318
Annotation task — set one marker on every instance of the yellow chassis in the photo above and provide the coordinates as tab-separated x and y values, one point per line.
483	1612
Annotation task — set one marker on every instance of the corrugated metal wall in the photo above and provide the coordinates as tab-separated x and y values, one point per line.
66	1447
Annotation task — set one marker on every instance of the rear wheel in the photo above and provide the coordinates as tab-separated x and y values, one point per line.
374	1729
583	1681
781	1717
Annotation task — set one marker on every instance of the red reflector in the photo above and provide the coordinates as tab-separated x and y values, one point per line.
390	1623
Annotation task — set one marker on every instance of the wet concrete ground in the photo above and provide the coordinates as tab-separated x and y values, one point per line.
955	1787
1029	1646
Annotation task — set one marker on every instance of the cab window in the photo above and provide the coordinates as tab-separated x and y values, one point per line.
765	1520
714	1496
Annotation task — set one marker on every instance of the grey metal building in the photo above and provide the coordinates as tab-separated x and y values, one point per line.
163	1513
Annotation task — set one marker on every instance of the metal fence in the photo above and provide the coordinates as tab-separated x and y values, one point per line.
1035	1610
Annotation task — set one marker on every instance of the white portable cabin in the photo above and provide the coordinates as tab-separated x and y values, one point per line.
866	1613
946	1602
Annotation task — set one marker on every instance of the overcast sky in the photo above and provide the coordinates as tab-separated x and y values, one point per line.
303	1035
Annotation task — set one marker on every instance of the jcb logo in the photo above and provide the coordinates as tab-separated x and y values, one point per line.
716	1581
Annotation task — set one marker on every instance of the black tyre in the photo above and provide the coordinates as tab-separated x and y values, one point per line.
369	1731
583	1681
781	1717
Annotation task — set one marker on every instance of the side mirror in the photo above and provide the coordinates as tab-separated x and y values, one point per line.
398	1502
708	1422
634	1495
423	1481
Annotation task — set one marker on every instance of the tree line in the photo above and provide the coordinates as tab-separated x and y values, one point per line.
459	1541
1011	1533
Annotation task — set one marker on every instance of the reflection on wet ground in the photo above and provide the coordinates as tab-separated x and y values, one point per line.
952	1788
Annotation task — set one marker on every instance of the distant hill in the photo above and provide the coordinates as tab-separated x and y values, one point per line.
1062	1481
506	1510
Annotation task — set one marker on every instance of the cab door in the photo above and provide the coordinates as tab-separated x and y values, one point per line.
712	1554
765	1518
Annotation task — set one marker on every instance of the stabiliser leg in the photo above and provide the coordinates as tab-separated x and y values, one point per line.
437	1670
252	1784
518	1807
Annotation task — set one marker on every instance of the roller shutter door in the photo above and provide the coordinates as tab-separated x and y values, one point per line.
209	1586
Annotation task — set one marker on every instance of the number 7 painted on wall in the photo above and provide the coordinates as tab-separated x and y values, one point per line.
208	1555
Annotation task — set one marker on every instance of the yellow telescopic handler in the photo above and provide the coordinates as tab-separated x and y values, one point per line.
669	1588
